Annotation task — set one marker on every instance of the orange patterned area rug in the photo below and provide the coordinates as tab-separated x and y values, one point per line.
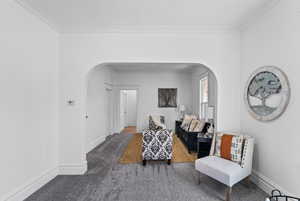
133	151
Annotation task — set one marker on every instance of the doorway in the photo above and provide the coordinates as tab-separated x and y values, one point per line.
109	110
128	109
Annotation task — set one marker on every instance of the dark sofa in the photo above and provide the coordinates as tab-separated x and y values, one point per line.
189	139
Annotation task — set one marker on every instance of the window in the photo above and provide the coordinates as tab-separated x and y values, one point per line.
203	107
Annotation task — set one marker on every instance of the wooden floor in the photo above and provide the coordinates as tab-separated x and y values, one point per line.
129	130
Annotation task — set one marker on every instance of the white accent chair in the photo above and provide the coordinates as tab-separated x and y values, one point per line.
226	171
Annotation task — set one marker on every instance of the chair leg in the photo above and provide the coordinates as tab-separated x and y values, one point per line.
248	182
199	178
228	194
169	161
144	162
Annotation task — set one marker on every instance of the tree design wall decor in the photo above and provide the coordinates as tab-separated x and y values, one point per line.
267	93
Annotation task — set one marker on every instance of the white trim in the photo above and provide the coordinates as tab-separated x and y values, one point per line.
131	123
37	14
266	184
123	29
118	88
258	14
155	29
94	144
23	191
73	169
160	29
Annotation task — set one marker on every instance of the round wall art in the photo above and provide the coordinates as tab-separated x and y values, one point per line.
267	93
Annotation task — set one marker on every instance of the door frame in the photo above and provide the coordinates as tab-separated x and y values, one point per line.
109	89
119	88
123	109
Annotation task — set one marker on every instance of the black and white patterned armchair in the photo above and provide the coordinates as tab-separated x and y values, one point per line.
157	145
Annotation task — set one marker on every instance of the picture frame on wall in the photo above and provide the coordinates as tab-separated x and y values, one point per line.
167	97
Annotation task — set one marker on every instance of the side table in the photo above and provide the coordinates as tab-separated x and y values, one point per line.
177	125
203	146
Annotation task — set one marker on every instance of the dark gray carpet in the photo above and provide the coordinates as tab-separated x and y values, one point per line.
109	181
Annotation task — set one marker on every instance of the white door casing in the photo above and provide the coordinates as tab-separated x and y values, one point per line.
128	108
109	110
122	109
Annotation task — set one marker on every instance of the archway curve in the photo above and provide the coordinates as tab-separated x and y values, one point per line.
192	64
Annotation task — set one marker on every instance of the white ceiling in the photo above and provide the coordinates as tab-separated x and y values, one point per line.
100	15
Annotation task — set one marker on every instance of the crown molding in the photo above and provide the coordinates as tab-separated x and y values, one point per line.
37	14
155	29
158	29
131	29
257	14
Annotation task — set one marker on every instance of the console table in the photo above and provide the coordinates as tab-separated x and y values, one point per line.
177	125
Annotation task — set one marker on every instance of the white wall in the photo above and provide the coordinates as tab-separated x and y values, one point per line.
148	83
274	39
29	80
220	51
98	106
29	88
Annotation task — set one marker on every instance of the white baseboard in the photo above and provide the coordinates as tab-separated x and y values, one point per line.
94	144
73	169
22	192
266	184
131	123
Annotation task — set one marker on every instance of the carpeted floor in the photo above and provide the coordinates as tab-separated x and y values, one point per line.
133	151
108	180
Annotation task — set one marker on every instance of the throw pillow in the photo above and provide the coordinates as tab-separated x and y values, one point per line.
155	118
226	146
158	122
155	123
229	147
152	125
199	127
237	148
193	124
210	129
186	122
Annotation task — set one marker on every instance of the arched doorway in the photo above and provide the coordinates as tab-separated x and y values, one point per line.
104	82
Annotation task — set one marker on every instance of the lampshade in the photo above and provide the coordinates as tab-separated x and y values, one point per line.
210	112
